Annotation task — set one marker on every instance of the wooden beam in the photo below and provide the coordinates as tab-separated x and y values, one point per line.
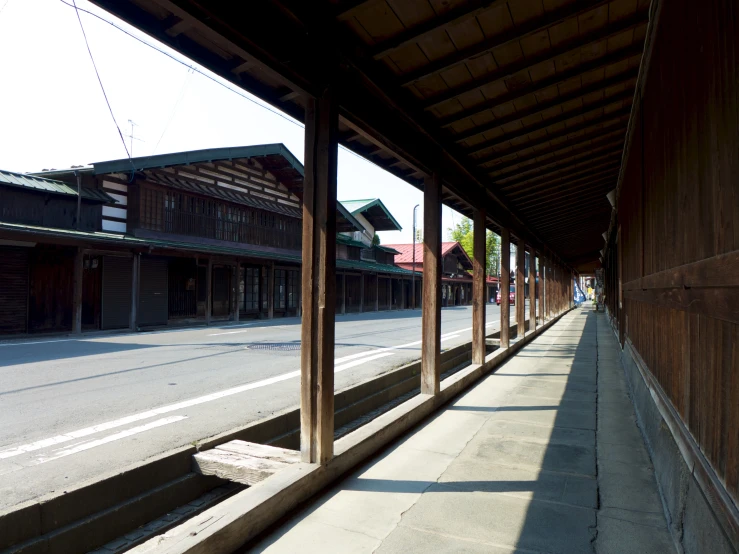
555	80
565	204
578	146
550	55
505	287
556	186
609	123
506	38
559	167
598	164
546	123
539	108
77	278
718	271
431	312
478	287
520	284
319	279
532	290
447	19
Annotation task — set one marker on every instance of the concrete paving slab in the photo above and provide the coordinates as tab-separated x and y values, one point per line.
310	536
636	491
544	434
406	540
616	536
505	520
549	415
449	432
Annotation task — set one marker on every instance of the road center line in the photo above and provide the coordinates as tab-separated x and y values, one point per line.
110	438
357	359
229	333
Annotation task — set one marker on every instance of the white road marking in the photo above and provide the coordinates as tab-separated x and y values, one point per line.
358	359
229	333
448	337
61	453
35	342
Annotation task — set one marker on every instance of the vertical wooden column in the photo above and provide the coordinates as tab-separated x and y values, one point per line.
133	316
505	287
271	291
431	314
550	288
361	292
389	288
319	279
236	286
532	290
520	286
478	288
343	293
377	293
78	272
209	291
402	294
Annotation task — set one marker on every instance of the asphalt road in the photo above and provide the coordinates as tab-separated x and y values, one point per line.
73	409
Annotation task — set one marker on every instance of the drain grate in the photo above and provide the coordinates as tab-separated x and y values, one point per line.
274	346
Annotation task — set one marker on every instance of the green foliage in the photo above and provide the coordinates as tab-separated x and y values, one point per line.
463	233
376	240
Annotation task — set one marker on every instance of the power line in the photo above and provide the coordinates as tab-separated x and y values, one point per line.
204	74
87	44
174	108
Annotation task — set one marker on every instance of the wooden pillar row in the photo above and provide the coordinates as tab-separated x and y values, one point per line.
319	279
478	288
209	291
133	317
520	286
431	314
505	287
236	287
271	291
532	290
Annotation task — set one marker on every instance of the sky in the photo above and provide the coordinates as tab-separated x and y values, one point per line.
53	113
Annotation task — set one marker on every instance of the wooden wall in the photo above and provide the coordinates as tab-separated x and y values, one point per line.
678	212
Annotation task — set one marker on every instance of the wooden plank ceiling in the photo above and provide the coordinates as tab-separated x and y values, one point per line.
522	105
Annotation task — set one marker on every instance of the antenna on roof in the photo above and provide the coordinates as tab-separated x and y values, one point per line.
132	137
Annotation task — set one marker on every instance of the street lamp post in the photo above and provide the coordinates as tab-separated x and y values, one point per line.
413	273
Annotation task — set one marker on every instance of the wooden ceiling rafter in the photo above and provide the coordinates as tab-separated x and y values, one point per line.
555	80
535	170
527	64
546	123
576	148
545	180
612	118
583	186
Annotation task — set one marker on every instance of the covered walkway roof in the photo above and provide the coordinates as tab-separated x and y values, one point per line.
519	107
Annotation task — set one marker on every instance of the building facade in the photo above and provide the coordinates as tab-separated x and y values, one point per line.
201	236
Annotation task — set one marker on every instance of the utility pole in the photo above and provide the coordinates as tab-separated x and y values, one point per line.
413	273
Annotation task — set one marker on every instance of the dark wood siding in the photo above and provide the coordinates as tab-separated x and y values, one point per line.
678	213
50	301
13	289
117	281
153	295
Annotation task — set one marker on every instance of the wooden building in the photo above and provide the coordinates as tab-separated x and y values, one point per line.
456	281
202	236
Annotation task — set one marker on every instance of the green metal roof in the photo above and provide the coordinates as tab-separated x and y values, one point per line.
386	249
198	156
51	186
343	239
372	266
364	206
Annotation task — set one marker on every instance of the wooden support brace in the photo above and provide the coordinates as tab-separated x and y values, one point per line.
478	288
532	290
319	279
431	313
520	289
505	287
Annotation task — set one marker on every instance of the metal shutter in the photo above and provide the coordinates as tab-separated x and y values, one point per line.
13	289
153	295
117	279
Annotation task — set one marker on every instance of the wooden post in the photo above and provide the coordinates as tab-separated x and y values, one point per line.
389	288
271	291
520	286
377	293
343	293
478	288
431	313
543	265
133	316
319	279
209	291
402	293
505	288
532	290
236	287
361	293
78	272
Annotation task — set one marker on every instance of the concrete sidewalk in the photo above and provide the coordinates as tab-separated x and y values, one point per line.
542	456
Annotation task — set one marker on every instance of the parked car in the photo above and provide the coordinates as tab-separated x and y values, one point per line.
511	296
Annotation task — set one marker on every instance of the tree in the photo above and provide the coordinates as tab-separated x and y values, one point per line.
464	234
376	240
